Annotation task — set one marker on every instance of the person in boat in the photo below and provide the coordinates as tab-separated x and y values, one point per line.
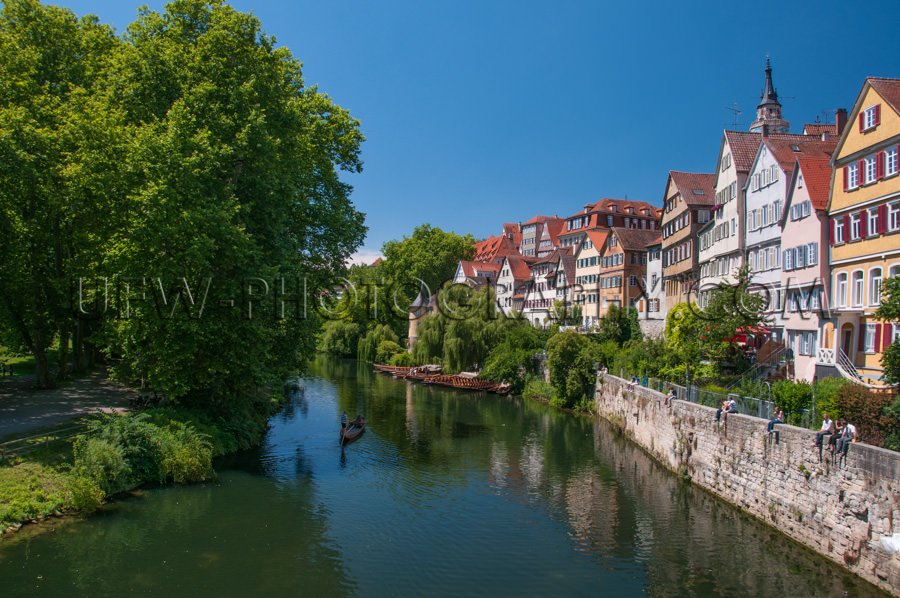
344	420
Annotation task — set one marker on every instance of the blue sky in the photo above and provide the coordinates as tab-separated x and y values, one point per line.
483	112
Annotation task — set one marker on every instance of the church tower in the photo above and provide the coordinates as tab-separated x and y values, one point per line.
768	113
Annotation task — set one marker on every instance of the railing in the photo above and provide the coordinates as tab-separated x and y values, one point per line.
825	356
761	408
849	371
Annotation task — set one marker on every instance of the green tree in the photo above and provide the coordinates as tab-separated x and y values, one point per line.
889	311
731	308
571	367
233	182
430	255
53	133
340	337
565	313
619	324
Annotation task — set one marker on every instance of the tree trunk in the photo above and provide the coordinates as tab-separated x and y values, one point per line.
63	353
78	346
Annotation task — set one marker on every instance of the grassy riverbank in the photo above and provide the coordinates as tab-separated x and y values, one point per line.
118	453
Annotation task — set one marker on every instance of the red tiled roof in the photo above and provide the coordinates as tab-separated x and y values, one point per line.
689	183
816	173
745	144
889	89
818	129
784	152
518	267
598	237
376	262
539	219
493	247
636	239
604	206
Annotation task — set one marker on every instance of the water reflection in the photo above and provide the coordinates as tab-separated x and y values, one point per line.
447	493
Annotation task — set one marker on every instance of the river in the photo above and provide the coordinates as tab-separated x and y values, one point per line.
447	494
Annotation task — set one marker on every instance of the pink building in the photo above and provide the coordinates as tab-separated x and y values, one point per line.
805	271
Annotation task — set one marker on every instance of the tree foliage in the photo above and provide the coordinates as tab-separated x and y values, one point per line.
570	363
186	164
430	255
889	311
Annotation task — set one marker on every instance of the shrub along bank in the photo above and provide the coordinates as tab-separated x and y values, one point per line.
120	453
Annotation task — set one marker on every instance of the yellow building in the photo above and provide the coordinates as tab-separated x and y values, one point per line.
864	212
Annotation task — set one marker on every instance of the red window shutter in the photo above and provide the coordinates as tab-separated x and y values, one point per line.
863	224
879	165
886	330
882	219
861	345
831	233
877	114
878	338
861	173
846	227
861	121
846	176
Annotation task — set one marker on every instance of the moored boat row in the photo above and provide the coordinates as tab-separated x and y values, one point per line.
430	374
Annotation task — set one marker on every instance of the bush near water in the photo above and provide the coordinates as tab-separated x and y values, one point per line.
118	454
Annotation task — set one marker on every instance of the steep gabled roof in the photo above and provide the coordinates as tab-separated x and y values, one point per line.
493	247
816	173
539	220
598	236
889	89
786	152
567	263
690	183
744	146
518	267
636	239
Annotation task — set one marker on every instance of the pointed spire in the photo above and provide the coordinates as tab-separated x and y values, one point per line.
768	112
768	95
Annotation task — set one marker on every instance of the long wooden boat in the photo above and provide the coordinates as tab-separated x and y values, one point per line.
353	430
463	383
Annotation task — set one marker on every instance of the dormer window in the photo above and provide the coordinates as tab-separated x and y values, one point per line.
698	192
629	210
612	208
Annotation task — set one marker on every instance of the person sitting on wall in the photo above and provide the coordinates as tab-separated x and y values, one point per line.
671	396
838	432
827	429
729	405
848	435
778	419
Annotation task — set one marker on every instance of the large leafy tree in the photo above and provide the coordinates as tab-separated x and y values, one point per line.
185	162
237	194
430	255
54	133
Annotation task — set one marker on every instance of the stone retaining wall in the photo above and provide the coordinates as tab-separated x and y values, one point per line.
840	510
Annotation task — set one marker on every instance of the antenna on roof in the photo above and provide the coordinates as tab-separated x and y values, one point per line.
737	112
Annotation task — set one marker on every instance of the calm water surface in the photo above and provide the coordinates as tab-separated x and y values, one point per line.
447	494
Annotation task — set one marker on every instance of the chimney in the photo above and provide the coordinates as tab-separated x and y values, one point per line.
840	118
765	130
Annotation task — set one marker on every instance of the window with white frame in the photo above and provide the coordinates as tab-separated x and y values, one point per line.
893	216
895	332
875	286
890	161
854	226
840	298
872	229
895	270
852	173
632	281
869	117
871	174
857	287
870	338
838	230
